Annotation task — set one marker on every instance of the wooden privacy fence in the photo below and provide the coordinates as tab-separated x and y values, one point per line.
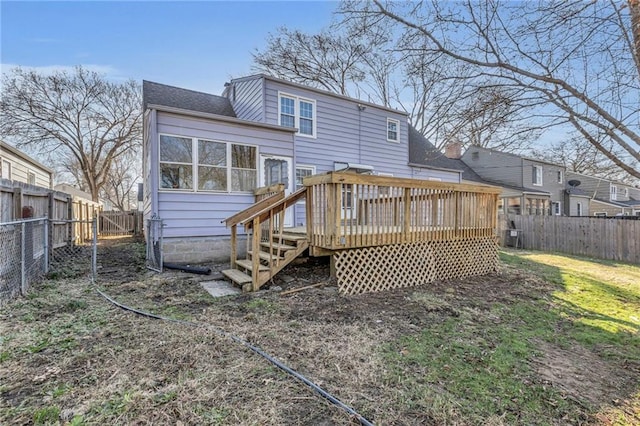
594	237
18	199
120	223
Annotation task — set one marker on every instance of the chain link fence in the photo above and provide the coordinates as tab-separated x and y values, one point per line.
31	249
154	243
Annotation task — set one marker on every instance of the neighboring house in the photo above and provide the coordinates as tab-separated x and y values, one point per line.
606	197
529	186
205	154
18	166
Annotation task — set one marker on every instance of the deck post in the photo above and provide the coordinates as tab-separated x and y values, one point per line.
234	246
332	266
255	258
406	226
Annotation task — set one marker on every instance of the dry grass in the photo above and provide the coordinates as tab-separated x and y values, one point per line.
397	357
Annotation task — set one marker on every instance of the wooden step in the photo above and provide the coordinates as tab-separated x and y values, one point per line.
248	264
265	256
236	276
289	237
276	246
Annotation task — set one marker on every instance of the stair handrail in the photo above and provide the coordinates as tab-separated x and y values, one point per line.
249	212
275	207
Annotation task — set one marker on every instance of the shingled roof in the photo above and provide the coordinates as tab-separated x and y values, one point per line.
424	153
176	97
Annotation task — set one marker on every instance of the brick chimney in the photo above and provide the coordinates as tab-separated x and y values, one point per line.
453	150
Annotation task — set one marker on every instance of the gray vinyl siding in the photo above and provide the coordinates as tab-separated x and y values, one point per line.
592	186
199	214
247	99
573	205
147	187
344	134
495	166
596	206
549	178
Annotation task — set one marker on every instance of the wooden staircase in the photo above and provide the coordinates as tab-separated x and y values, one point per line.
270	246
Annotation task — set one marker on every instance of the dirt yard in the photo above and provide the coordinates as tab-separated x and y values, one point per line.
504	349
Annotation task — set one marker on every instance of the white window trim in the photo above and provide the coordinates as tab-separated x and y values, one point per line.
8	171
538	181
303	167
393	120
195	163
296	110
613	191
557	208
33	173
561	174
579	208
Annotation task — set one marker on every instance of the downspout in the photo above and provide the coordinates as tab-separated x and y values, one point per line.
154	156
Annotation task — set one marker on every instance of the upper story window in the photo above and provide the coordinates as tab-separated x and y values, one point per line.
188	163
393	130
297	112
614	192
560	176
31	177
625	192
537	175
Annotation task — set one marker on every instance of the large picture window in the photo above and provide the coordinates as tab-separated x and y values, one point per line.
219	166
297	112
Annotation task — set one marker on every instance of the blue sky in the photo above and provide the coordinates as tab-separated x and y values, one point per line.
196	45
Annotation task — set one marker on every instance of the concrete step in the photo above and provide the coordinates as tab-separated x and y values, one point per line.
248	264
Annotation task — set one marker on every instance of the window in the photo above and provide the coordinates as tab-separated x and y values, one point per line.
297	112
614	192
6	169
579	209
557	209
393	130
302	172
31	177
559	176
176	169
219	166
625	192
537	175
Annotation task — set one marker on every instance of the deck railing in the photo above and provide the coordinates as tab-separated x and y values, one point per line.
346	210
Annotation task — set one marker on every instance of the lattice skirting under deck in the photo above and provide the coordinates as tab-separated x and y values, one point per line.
403	265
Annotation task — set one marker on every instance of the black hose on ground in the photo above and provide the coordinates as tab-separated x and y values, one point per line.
202	270
257	350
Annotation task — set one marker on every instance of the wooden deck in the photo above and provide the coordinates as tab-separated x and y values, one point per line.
355	218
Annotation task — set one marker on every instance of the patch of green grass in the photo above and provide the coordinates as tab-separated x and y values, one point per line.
77	420
75	305
213	415
165	397
478	365
5	356
262	305
47	415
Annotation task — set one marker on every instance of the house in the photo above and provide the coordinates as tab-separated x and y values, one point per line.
204	155
17	166
529	186
606	197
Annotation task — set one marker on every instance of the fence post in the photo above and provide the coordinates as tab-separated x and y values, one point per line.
23	260
70	224
17	203
50	227
45	239
94	250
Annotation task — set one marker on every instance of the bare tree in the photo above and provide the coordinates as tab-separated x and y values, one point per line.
80	116
121	185
577	62
443	99
577	155
318	60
